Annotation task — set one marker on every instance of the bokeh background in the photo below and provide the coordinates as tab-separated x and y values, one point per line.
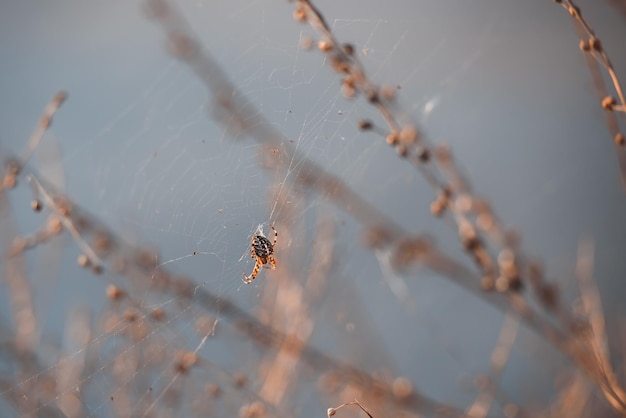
503	83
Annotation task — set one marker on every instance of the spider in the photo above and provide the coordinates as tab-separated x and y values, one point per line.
262	250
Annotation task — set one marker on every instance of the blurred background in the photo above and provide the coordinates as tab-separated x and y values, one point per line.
503	83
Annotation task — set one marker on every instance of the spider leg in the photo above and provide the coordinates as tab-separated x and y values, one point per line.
270	263
252	253
252	276
275	235
266	263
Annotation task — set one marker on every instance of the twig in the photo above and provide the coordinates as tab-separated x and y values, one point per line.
332	411
597	57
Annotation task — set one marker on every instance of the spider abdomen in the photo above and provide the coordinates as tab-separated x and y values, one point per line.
262	247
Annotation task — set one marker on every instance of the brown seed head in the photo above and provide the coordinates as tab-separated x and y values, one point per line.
595	43
114	292
185	361
469	236
402	150
54	225
349	82
240	380
63	206
340	64
348	92
437	207
584	46
402	388
348	49
36	205
158	314
324	46
83	260
130	315
506	258
253	410
408	135
9	181
608	103
365	125
487	283
372	96
299	14
464	202
502	284
515	283
424	155
213	390
392	138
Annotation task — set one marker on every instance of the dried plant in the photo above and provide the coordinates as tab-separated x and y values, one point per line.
152	366
598	58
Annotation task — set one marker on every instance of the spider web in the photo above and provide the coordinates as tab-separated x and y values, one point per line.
136	147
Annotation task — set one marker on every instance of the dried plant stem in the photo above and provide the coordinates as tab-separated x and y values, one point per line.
15	166
332	411
16	281
43	125
235	112
479	230
15	265
597	341
499	359
144	272
597	58
473	217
